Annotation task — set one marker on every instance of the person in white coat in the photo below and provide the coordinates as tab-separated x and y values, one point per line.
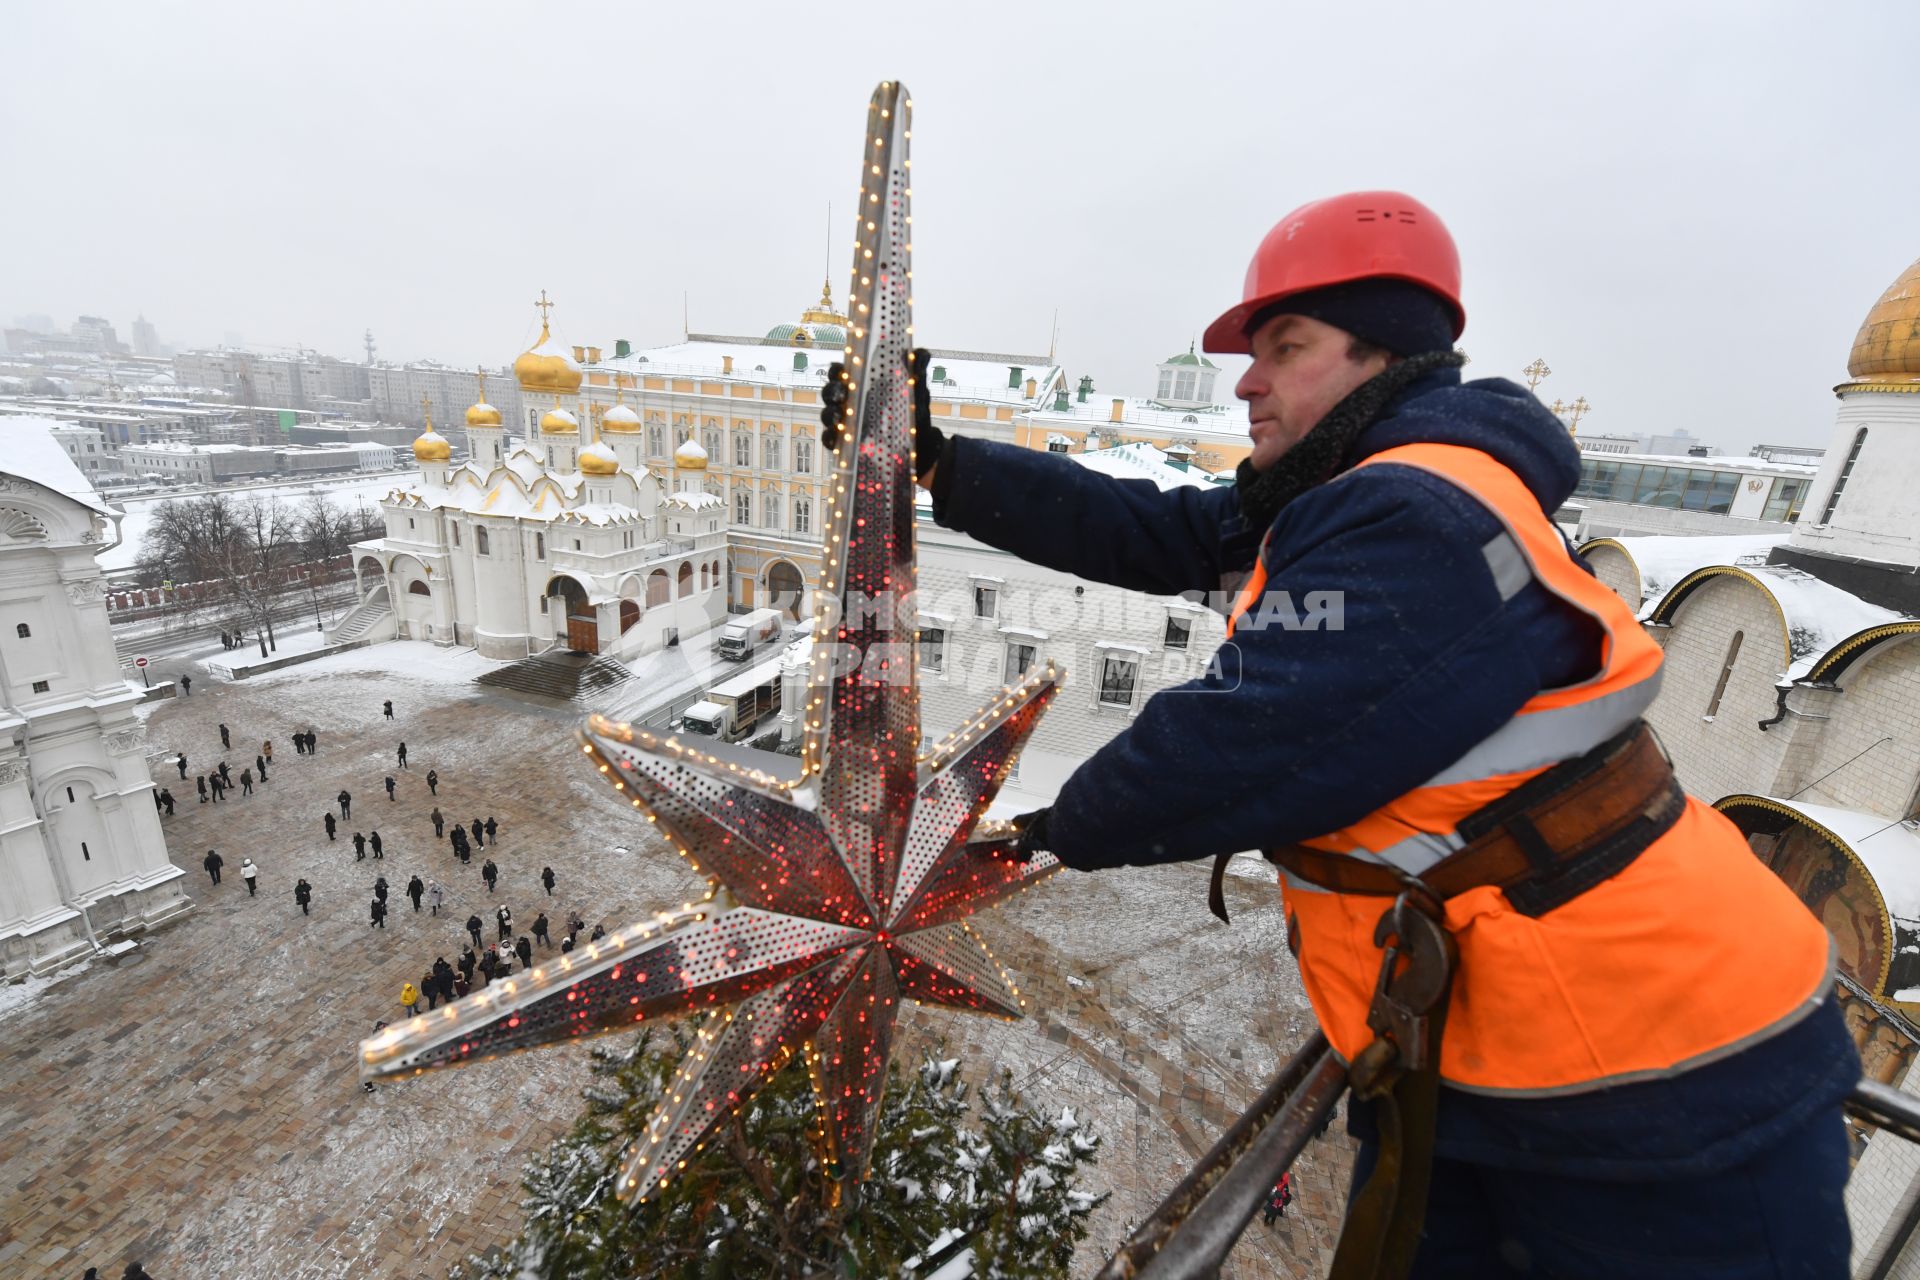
435	895
248	872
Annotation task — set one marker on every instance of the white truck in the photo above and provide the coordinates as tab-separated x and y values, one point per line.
740	637
734	708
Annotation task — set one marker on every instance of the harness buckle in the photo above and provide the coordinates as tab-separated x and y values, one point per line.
1405	996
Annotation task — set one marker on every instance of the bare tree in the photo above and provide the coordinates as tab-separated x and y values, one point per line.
258	560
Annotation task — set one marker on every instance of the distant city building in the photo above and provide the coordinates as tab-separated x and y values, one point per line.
1622	494
146	340
1787	453
87	446
85	858
1592	443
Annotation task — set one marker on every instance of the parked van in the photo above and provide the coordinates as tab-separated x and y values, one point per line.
740	637
733	709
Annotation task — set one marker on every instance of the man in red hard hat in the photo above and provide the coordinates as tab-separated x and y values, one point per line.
1633	1066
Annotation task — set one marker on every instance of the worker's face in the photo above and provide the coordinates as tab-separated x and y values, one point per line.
1301	369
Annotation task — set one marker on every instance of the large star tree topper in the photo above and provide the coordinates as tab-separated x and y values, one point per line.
836	894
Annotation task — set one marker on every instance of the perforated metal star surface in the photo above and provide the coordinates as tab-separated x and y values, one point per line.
835	895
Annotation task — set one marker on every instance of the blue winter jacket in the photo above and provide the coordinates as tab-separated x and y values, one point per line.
1312	729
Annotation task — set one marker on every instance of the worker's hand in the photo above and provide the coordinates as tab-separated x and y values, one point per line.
929	442
1032	837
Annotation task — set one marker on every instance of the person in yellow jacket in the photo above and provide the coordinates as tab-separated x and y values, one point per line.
409	997
1640	1065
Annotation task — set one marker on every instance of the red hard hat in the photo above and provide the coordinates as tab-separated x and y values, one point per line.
1357	236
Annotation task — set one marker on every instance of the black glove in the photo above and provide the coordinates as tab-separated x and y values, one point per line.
1032	835
929	442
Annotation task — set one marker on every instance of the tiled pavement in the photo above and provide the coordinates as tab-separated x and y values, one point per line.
198	1108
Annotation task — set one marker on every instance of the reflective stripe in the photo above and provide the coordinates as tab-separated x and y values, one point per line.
1295	884
1537	739
1418	852
1508	565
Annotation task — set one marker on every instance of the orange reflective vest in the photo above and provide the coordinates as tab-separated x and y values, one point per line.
1691	953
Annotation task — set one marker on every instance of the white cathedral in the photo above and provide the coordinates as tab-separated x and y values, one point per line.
561	543
82	856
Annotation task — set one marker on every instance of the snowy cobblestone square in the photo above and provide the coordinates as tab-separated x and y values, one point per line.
196	1106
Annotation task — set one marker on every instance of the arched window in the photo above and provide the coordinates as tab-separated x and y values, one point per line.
703	577
23	631
742	448
480	540
629	614
1846	469
1726	673
743	506
686	580
770	452
659	589
656	442
418	588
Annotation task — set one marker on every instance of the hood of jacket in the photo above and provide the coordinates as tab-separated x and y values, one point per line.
1496	416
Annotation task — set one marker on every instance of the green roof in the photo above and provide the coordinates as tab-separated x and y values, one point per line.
1188	357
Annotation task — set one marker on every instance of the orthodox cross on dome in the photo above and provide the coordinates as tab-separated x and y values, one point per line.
1559	409
1536	373
545	305
1578	410
480	375
836	894
426	410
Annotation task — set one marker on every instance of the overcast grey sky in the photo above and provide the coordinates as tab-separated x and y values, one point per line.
1686	208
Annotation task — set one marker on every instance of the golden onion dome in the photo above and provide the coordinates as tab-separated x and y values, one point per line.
431	446
547	367
482	415
690	456
1888	344
620	419
558	422
598	460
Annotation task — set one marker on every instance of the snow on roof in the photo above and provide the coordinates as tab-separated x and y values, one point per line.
1717	462
974	376
1216	422
1141	462
31	453
1888	848
1819	615
695	501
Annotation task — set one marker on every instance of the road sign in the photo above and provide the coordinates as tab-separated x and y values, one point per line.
140	662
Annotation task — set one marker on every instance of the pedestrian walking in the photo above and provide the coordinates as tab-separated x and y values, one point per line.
226	641
435	896
479	834
359	847
416	889
313	742
249	873
331	824
1279	1198
373	840
186	685
387	707
523	947
566	944
390	795
505	919
546	878
467	960
409	997
473	927
492	827
489	873
201	783
540	929
166	798
266	749
219	787
462	984
260	763
439	821
574	923
226	773
158	803
303	894
213	862
246	782
226	743
135	1271
380	888
433	785
403	755
379	912
599	932
430	988
182	762
346	804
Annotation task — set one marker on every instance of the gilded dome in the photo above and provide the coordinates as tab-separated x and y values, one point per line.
598	460
482	415
620	420
431	446
547	367
690	456
1888	344
558	422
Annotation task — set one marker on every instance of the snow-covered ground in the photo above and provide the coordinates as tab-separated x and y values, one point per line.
344	491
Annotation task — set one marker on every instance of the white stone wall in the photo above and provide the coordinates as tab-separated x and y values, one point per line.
1728	752
1874	518
1616	569
1869	745
1605	519
1883	1187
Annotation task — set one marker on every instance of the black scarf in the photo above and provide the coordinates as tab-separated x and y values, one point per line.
1323	452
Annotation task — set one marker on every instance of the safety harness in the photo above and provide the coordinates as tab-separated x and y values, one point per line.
1542	844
